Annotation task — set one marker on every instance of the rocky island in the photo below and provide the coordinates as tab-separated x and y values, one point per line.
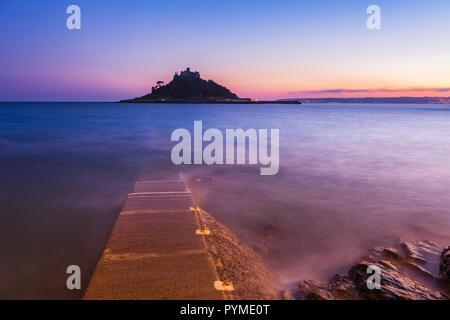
189	87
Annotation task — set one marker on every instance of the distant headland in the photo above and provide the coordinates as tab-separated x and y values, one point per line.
400	100
189	87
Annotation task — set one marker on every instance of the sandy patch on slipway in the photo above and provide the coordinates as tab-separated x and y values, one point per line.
235	262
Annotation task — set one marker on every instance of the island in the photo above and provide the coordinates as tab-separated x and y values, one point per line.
189	87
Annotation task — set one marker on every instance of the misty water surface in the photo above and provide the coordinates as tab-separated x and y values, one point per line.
351	177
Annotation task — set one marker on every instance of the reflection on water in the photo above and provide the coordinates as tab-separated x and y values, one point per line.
351	177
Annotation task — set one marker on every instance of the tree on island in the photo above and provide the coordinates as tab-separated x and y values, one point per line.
158	85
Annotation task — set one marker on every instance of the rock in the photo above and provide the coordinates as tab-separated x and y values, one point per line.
392	254
444	266
286	295
421	271
394	285
320	294
429	246
340	287
412	253
200	179
343	287
307	287
402	276
374	254
270	232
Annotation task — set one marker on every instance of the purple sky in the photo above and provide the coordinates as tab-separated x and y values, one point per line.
263	49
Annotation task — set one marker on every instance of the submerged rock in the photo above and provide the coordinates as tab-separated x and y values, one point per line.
393	254
270	232
412	253
402	276
419	270
201	179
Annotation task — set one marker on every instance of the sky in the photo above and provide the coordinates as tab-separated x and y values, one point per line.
257	48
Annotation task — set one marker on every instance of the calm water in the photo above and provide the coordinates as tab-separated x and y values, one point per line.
351	177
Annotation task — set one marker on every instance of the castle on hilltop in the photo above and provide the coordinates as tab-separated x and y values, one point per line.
187	74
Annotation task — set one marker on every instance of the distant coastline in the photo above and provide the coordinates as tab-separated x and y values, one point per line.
400	100
366	100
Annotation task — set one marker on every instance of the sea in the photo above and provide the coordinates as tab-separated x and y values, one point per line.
351	177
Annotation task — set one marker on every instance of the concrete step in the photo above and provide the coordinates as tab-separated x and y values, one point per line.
154	251
172	277
159	186
153	202
155	233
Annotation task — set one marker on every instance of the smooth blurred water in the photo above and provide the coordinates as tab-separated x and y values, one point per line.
351	177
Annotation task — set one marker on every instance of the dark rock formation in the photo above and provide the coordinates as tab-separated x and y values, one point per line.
412	253
405	100
403	276
188	86
202	179
394	283
444	267
343	287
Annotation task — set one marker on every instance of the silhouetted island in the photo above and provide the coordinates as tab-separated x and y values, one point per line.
189	87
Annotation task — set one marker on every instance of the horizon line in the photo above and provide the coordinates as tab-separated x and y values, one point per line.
280	99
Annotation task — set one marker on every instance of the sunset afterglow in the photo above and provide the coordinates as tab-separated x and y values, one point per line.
258	49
